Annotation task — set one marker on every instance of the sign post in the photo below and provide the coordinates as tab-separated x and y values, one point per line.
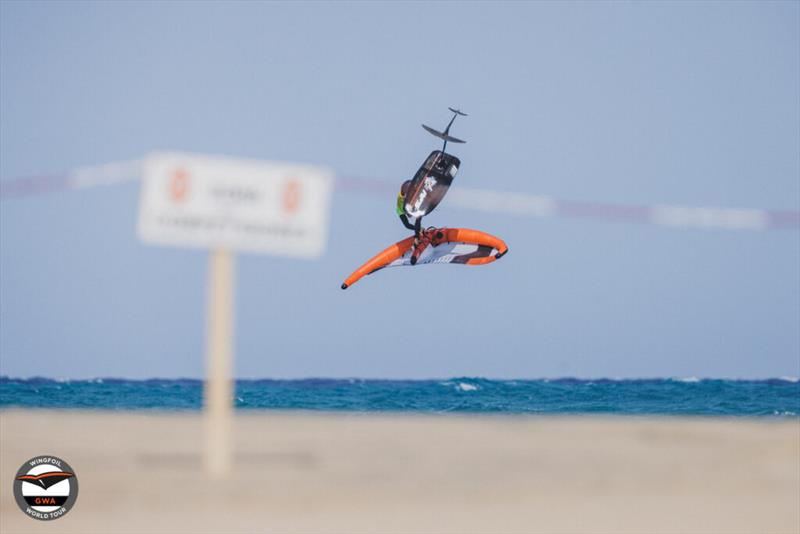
226	205
218	392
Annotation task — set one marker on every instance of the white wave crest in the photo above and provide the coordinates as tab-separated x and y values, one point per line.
463	386
687	379
792	379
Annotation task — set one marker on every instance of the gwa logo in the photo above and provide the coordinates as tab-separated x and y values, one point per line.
45	487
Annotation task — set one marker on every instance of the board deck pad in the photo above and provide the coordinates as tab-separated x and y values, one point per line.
431	183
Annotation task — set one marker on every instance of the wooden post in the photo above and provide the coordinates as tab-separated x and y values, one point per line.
218	391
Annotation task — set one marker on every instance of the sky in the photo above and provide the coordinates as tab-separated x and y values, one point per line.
686	103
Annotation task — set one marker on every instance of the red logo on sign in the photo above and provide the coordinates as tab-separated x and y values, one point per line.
179	185
292	194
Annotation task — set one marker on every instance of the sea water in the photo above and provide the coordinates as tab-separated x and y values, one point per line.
778	397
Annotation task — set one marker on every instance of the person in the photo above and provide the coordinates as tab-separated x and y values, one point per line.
422	238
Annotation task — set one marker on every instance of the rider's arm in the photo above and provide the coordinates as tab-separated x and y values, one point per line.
401	212
407	223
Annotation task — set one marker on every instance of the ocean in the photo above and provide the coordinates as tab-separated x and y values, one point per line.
779	397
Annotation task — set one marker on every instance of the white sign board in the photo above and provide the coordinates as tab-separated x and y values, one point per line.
190	200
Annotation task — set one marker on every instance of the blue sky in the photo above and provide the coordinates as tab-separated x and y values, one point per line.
644	103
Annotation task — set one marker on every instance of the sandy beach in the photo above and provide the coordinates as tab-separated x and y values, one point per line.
300	472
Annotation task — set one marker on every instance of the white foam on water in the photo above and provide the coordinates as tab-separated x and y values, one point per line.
792	379
463	386
687	379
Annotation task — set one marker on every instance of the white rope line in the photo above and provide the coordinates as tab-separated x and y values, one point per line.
485	200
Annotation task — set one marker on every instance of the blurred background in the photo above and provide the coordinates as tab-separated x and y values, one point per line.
690	104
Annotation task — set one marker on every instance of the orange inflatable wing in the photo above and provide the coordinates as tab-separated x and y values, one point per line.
447	245
382	259
475	237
